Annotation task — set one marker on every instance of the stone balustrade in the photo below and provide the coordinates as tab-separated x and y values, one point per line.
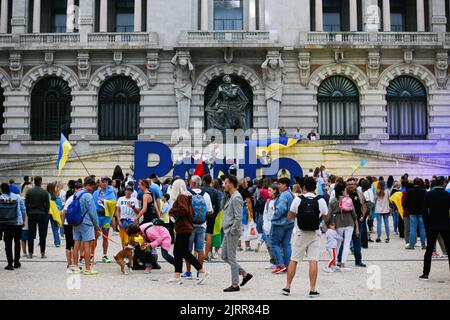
229	38
75	40
371	39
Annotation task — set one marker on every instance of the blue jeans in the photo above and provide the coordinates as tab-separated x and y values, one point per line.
385	217
280	239
55	230
395	218
415	220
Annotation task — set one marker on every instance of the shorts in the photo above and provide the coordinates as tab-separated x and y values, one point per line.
197	237
210	222
306	243
104	222
83	232
69	237
25	235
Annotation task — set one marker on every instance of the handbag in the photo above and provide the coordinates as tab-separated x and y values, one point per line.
252	233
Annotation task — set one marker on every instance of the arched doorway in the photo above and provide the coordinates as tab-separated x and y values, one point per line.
407	109
338	109
50	109
211	91
118	109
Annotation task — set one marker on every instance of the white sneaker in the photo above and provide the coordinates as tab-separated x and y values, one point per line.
214	255
270	267
203	277
329	270
175	281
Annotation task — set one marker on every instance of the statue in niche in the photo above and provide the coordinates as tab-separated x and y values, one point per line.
227	107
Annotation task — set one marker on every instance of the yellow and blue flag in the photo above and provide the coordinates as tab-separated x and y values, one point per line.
55	213
63	154
271	144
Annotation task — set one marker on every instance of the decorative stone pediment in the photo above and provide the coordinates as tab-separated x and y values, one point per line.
420	72
38	72
101	74
350	71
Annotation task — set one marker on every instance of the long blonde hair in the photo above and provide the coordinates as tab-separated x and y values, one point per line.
178	187
26	188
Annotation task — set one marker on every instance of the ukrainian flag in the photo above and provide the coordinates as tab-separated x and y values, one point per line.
272	144
63	154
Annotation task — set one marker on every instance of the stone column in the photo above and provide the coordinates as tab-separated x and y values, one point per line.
252	15
149	16
204	15
371	15
103	15
70	14
386	15
439	16
37	16
137	15
19	16
420	16
353	15
4	17
86	19
319	16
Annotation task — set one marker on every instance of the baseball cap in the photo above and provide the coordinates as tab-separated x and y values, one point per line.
128	187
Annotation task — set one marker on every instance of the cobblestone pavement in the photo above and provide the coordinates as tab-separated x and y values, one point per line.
396	269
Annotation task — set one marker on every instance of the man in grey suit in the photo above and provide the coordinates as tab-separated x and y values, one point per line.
231	223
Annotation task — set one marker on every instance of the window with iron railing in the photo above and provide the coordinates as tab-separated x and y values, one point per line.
228	15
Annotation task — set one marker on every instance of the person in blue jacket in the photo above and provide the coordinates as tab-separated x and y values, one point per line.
105	192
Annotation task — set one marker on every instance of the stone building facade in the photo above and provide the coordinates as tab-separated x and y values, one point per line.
382	64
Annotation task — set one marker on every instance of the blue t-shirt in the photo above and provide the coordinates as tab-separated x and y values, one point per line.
14	189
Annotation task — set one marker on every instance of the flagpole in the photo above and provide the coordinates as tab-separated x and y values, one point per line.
73	148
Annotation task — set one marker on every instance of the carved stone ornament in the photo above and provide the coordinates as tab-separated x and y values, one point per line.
117	57
49	57
152	67
408	56
441	68
84	68
16	67
304	65
373	67
339	56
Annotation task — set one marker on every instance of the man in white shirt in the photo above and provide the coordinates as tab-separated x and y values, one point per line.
307	233
127	209
197	239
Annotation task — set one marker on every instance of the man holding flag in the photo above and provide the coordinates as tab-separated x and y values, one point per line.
101	197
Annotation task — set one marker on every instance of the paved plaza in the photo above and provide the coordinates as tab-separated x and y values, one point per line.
394	275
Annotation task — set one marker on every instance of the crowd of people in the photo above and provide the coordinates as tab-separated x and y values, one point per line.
200	216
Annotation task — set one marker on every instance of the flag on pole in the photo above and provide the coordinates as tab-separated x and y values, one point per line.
219	176
199	169
63	154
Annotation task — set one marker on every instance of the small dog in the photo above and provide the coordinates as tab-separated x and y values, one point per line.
127	253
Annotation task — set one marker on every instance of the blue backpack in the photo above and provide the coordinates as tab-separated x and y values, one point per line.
200	209
74	216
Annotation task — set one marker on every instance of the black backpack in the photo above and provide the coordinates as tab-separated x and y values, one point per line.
308	215
8	212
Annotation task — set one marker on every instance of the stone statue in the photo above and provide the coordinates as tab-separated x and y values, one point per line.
273	77
227	107
184	77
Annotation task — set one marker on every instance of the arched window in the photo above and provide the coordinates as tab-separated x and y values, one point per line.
407	109
338	108
50	109
118	113
2	110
